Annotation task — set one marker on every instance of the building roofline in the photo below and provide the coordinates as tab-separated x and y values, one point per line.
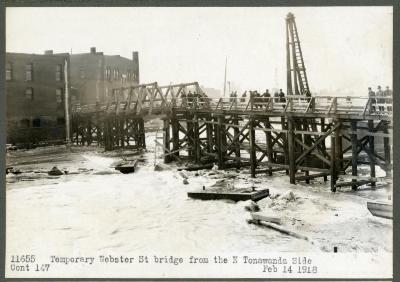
34	54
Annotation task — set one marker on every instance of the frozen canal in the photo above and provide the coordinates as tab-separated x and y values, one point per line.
101	211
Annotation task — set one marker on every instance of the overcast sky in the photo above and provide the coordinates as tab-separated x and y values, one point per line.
348	48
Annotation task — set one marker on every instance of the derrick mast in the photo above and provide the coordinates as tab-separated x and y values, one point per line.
297	83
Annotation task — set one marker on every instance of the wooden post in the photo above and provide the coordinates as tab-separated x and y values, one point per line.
209	130
166	140
220	144
268	140
196	138
333	162
190	136
323	145
291	155
354	153
371	141
386	148
142	132
339	149
285	143
253	157
175	134
307	141
237	143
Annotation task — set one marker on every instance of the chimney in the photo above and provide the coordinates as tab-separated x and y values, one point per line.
92	50
135	60
48	52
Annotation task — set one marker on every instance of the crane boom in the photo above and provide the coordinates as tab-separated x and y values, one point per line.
297	83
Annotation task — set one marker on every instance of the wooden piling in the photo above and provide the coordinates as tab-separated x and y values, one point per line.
175	134
292	164
220	144
253	156
269	145
354	153
237	143
371	141
166	140
196	139
386	148
333	162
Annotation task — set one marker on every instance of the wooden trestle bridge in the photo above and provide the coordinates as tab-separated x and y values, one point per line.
308	137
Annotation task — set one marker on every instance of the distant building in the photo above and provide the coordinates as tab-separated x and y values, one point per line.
37	84
35	88
94	75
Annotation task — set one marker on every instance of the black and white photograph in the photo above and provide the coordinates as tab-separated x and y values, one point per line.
199	142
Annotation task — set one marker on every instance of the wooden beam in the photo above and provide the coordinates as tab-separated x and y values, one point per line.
253	157
291	152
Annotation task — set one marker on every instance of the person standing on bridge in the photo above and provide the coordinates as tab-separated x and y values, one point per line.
266	96
380	99
243	99
371	96
257	99
282	98
388	97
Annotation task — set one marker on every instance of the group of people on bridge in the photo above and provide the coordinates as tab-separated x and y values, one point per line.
380	100
279	97
191	98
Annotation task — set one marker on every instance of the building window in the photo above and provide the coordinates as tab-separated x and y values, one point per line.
82	72
108	73
58	72
59	98
9	71
29	72
29	94
36	122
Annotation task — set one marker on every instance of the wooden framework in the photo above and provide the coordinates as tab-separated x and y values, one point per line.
308	137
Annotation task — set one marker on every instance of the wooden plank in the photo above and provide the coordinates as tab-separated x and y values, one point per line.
234	196
353	183
265	216
311	176
279	228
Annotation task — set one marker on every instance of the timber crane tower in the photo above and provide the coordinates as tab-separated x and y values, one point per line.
297	83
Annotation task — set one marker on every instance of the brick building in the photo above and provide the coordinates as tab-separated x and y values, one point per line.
37	87
94	75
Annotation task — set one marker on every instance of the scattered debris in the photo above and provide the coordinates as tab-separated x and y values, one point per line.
185	181
279	228
266	216
252	207
234	196
127	166
183	174
160	167
55	171
289	196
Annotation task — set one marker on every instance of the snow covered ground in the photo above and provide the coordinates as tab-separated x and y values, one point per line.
95	209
